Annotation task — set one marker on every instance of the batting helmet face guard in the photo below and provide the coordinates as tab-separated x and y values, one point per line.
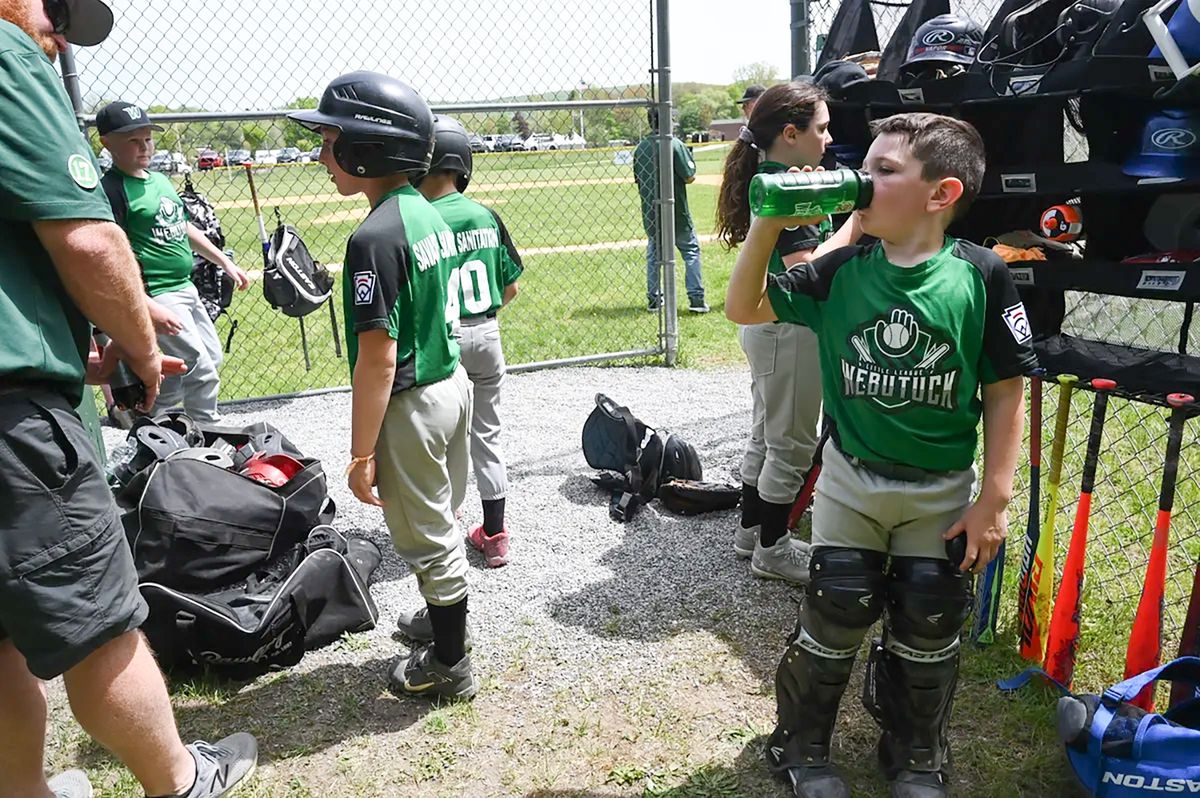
945	39
386	127
451	151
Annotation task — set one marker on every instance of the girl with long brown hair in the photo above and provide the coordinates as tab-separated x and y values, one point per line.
787	129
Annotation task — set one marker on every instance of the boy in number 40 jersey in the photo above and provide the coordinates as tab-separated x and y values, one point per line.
486	271
919	335
411	400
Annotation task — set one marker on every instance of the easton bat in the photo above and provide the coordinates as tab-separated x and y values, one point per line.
1145	638
1189	643
987	609
1063	640
805	497
1037	563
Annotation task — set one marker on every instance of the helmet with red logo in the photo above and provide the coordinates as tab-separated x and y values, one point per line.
275	470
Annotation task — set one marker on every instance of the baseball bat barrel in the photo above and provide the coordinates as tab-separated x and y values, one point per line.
1145	638
1062	643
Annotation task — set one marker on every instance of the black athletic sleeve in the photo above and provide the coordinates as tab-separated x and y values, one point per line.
378	261
507	242
113	184
795	293
798	239
1007	335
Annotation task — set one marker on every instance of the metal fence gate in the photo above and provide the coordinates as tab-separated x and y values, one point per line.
557	93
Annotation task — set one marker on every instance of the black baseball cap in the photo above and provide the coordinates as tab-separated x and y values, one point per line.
121	117
88	21
752	92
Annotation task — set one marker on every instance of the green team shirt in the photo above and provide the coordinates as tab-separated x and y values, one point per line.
152	214
398	267
47	171
904	350
486	263
645	172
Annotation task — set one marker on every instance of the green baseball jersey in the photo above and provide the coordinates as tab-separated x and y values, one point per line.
792	239
47	172
152	214
399	263
486	263
645	172
904	350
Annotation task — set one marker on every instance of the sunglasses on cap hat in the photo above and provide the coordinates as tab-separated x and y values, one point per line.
59	15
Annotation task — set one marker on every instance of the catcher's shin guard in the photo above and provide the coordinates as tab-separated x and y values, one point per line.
845	597
912	672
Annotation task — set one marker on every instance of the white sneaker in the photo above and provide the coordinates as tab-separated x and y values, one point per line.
786	560
71	784
745	539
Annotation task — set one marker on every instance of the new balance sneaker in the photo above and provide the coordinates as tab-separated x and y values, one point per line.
223	766
415	625
494	547
745	539
71	784
786	560
817	782
698	306
424	674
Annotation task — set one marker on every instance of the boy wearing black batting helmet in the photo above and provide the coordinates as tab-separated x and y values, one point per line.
411	398
484	280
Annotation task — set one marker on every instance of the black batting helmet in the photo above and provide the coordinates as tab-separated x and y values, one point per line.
451	151
946	39
386	127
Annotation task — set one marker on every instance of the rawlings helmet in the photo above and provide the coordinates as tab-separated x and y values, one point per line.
942	47
451	151
386	127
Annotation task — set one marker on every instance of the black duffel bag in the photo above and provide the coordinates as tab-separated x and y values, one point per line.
307	598
196	526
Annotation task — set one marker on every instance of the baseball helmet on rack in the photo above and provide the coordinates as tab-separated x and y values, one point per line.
1043	32
1169	146
451	151
942	47
386	127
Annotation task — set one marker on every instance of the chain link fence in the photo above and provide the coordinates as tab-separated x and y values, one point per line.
1131	462
555	94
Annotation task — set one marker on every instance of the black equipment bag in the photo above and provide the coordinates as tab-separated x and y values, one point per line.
293	282
307	598
212	283
196	526
616	440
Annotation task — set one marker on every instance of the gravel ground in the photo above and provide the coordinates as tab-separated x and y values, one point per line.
581	589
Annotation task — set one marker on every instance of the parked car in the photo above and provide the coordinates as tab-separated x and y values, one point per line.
313	156
290	155
266	157
239	157
490	140
538	141
476	143
509	142
169	163
209	159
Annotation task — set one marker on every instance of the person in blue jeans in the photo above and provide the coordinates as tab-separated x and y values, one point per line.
645	172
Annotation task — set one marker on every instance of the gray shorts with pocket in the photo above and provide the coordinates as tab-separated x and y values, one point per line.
857	508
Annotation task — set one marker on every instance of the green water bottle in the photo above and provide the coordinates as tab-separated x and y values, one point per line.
810	193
